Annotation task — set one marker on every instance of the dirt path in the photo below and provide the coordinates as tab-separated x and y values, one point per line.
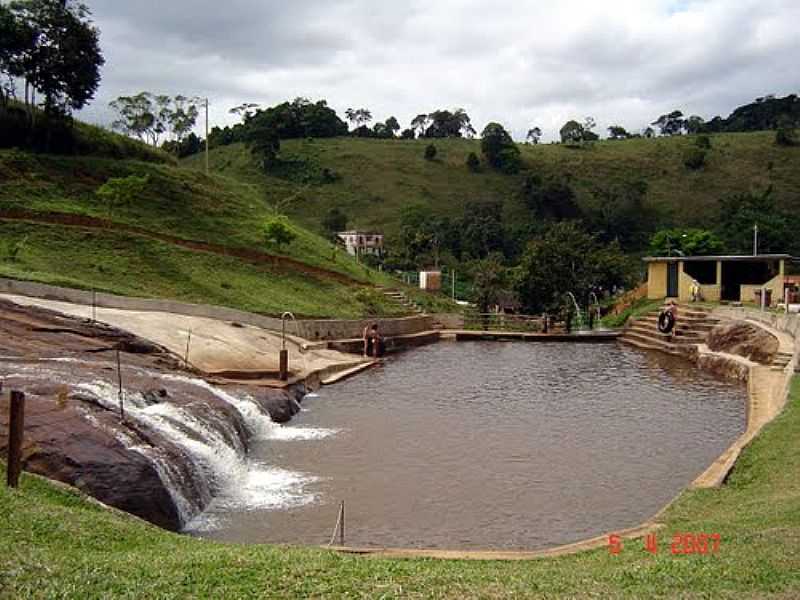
252	256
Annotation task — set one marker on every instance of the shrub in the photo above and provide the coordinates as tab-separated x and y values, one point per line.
430	152
473	162
14	248
786	136
510	161
278	233
695	159
121	190
703	142
330	176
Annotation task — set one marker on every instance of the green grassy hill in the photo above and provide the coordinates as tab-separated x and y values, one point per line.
378	177
188	236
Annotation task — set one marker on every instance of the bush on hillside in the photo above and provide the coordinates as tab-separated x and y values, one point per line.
430	152
786	136
695	159
703	142
121	190
473	162
278	233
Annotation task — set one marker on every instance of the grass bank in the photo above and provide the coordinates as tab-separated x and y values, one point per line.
56	545
180	204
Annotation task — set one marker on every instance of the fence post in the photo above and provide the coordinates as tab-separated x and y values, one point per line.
341	529
16	428
120	390
283	364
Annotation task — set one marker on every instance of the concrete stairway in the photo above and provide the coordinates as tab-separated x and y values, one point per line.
692	328
781	361
399	297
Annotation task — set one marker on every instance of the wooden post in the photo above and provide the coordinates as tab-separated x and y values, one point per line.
120	393
341	528
284	364
94	306
186	356
16	429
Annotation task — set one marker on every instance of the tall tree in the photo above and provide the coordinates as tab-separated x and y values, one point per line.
138	117
244	111
694	124
534	135
420	124
617	132
571	132
392	126
567	259
16	40
499	149
63	63
670	123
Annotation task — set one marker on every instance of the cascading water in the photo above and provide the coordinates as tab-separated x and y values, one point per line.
578	315
199	452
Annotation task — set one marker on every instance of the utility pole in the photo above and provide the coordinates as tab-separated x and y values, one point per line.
206	136
755	239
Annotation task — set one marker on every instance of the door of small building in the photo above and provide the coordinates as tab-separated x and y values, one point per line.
672	280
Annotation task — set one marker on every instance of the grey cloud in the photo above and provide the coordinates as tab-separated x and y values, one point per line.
519	63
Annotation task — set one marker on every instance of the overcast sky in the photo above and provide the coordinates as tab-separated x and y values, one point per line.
521	63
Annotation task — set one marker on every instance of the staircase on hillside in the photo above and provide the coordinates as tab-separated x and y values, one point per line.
692	328
399	297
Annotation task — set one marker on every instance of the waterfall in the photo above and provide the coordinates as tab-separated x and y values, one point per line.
198	451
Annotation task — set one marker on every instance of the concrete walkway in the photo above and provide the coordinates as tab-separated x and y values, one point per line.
215	348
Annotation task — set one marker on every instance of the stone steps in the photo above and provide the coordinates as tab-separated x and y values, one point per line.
691	329
400	298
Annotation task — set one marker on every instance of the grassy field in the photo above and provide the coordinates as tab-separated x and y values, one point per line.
57	545
378	177
182	203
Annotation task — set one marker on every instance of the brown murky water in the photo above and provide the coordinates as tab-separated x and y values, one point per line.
489	445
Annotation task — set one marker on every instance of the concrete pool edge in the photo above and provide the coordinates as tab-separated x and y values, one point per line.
767	393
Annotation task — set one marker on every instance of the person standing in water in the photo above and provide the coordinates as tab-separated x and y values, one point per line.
372	341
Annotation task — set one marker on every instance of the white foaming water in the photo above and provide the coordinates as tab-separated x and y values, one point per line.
261	426
221	471
266	488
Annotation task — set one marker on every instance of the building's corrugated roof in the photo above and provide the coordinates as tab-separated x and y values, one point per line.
724	258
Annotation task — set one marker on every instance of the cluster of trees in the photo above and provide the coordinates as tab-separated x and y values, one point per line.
52	47
765	113
574	133
441	124
148	117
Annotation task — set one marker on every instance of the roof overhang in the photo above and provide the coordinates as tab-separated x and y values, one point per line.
727	258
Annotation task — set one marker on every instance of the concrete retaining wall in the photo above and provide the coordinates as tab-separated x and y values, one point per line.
312	329
450	320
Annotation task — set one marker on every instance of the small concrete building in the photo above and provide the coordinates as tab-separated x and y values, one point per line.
359	243
718	278
430	280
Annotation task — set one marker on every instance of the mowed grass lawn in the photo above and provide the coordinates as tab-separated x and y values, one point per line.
56	545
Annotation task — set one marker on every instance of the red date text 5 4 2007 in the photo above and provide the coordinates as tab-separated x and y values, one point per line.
682	543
